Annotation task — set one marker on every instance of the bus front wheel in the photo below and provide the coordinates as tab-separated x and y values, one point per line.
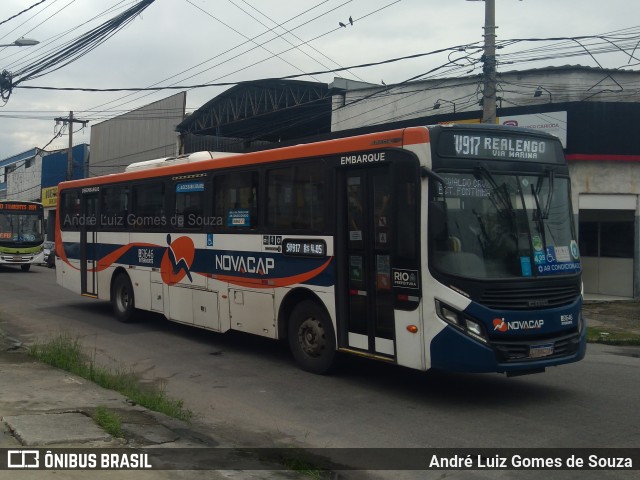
25	267
122	298
311	337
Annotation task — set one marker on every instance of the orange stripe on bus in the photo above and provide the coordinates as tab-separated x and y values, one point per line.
416	135
371	141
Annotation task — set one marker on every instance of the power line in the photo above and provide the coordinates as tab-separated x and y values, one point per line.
80	47
46	43
286	31
297	37
230	50
226	84
243	35
23	11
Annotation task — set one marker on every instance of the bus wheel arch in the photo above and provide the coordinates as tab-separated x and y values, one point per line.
122	296
310	332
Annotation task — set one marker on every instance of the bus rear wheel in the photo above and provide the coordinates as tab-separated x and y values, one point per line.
122	298
25	267
311	337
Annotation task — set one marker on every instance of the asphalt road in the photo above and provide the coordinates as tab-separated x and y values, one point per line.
250	389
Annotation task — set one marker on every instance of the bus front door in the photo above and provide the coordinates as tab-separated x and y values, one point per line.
88	278
366	243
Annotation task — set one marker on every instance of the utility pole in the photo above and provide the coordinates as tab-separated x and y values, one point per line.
70	121
489	58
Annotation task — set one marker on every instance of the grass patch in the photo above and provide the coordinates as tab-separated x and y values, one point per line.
305	468
108	420
611	337
67	353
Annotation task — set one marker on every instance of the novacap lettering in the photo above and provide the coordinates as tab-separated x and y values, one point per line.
525	324
240	264
365	158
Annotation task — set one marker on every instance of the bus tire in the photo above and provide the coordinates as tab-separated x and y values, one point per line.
311	337
25	267
122	298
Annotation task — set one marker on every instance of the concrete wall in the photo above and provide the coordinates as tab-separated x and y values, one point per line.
142	134
23	183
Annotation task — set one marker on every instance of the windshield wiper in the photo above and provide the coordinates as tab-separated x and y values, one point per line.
481	172
539	216
547	207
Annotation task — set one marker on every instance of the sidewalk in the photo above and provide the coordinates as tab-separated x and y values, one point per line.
44	408
615	315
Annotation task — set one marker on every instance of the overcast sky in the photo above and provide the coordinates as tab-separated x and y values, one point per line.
188	42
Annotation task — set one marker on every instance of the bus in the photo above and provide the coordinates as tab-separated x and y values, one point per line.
21	233
449	247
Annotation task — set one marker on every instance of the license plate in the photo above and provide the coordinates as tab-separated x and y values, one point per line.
536	351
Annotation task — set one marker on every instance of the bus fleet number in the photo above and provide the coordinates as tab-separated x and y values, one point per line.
293	248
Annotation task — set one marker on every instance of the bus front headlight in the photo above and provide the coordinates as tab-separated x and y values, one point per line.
459	320
475	330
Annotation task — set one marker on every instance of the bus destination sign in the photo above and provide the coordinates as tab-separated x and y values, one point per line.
498	146
17	207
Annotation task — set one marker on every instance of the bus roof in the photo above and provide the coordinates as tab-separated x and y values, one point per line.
392	138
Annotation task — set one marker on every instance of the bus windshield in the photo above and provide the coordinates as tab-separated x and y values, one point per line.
501	226
21	228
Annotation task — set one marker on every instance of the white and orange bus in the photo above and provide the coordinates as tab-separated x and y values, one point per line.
449	247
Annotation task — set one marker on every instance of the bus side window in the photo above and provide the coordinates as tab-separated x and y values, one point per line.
189	205
296	197
148	207
70	211
236	199
114	207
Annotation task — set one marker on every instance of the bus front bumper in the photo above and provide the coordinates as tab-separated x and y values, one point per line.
21	258
454	351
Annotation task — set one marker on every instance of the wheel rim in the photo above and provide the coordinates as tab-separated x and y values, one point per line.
123	298
312	337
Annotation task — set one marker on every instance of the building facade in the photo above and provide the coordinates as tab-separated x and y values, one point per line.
146	133
20	175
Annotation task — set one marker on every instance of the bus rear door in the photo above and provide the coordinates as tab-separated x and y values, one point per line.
88	233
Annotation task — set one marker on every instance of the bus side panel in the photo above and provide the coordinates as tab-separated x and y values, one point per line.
221	287
434	325
69	275
410	351
141	281
325	296
412	348
105	272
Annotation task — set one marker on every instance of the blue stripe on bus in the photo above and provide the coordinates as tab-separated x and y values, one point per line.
227	263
